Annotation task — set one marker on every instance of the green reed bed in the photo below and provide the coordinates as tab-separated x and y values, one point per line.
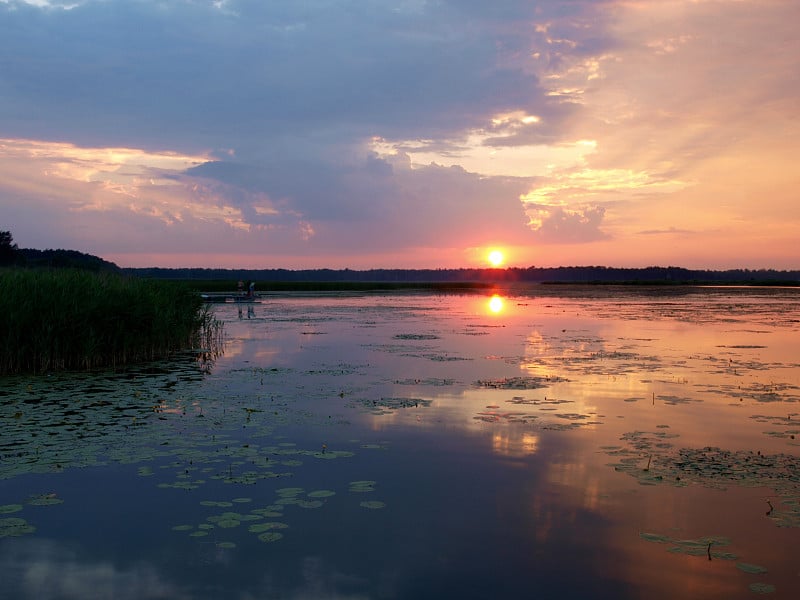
53	320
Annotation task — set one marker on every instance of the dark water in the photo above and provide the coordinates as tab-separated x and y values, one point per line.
571	444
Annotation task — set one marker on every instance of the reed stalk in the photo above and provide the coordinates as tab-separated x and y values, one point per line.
70	319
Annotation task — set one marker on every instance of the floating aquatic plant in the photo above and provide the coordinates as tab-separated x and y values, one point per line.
228	523
416	336
44	500
748	568
268	526
428	381
519	383
15	527
362	486
321	494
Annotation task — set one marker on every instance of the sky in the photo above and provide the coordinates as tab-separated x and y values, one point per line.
362	134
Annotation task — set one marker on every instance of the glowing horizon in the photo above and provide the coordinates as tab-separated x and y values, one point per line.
542	133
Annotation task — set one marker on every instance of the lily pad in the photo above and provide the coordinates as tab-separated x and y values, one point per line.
748	568
321	494
14	527
270	536
373	504
228	523
762	588
266	512
7	509
262	527
654	537
362	486
44	500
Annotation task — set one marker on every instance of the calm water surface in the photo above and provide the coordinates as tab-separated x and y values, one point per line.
556	443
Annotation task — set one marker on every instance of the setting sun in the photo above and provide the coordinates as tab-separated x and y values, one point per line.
496	258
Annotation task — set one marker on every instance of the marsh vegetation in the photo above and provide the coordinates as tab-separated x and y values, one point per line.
73	319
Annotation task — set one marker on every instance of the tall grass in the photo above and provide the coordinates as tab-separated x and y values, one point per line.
69	319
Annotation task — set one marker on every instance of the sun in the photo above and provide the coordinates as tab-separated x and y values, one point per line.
496	258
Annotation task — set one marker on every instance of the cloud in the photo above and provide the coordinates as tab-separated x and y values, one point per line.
46	570
564	225
254	71
363	126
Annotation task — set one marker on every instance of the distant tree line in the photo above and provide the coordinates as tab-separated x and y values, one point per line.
12	255
553	275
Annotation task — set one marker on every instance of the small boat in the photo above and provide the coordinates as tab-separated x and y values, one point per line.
219	298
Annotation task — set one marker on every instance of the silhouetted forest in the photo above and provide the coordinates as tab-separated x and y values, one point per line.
10	254
553	275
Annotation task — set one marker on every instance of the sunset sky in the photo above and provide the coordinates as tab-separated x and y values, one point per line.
403	133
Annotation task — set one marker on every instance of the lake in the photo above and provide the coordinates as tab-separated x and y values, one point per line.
550	442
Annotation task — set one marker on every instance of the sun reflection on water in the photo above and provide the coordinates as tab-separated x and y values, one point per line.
515	444
496	304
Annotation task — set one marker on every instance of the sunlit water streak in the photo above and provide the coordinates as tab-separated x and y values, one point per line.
570	443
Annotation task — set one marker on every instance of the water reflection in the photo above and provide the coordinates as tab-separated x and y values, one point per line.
514	443
559	434
496	304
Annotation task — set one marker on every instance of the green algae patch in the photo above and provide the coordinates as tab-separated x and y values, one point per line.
518	383
651	459
762	588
